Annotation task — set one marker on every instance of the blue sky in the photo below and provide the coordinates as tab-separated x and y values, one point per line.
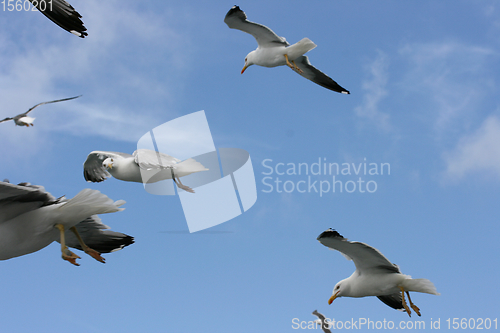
423	78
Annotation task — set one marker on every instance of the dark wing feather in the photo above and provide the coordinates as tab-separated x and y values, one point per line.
63	14
237	19
95	236
312	73
394	301
6	119
93	171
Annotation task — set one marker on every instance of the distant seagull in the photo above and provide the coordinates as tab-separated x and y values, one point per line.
31	218
276	51
22	119
63	14
144	166
374	275
322	321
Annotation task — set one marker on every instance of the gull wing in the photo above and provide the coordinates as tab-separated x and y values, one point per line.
31	109
312	73
150	159
395	301
19	199
96	236
93	171
237	19
63	14
365	257
6	119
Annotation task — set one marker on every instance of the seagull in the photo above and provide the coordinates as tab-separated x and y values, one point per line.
63	14
374	275
31	218
143	166
275	51
325	325
22	119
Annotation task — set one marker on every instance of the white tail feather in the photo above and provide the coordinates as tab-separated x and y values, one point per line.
90	202
420	285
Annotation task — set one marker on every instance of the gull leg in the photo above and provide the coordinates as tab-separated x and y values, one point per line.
413	306
404	302
288	62
296	68
179	184
66	253
91	252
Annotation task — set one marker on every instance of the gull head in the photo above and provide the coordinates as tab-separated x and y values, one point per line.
108	163
248	61
337	292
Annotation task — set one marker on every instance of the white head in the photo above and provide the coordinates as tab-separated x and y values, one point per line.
248	61
108	163
340	289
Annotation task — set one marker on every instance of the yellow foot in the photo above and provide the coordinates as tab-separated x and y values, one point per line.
416	309
296	68
94	254
404	302
70	256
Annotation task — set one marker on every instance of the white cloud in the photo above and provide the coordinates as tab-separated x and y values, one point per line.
478	152
375	91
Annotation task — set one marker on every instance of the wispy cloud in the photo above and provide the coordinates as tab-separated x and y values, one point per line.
375	91
477	152
451	79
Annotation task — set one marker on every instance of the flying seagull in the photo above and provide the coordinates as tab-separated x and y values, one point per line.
31	218
63	14
143	166
325	325
275	51
22	119
374	275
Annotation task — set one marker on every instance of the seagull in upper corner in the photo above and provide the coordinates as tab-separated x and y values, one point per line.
22	119
275	51
144	166
63	14
375	275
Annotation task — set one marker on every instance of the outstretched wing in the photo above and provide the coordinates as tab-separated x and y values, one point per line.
6	119
237	19
150	159
312	73
96	236
63	14
57	100
19	199
365	257
93	171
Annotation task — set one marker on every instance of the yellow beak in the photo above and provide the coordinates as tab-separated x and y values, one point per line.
244	68
332	299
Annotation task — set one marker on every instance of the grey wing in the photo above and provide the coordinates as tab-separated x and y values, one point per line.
93	171
19	199
96	236
322	318
6	119
150	159
312	73
365	257
395	301
55	101
237	19
63	14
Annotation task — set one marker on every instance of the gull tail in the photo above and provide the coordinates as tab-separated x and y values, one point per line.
189	166
420	285
90	202
300	48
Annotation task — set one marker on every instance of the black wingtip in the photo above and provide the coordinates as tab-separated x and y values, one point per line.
330	233
235	9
